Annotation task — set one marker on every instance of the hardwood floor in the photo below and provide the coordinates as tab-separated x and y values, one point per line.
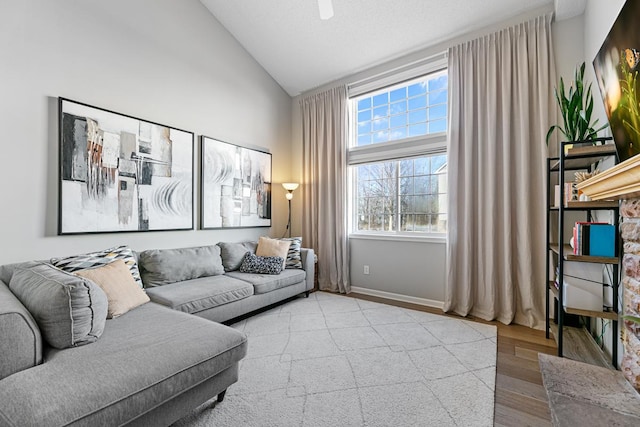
520	399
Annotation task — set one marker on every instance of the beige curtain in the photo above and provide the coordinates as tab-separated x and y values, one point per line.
324	220
501	106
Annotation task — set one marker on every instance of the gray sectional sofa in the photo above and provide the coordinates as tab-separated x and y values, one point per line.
152	365
223	292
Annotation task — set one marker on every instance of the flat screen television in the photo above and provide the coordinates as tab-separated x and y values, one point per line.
617	66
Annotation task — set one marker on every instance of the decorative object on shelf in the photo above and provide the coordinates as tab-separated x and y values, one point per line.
121	173
290	187
235	187
581	176
616	65
576	108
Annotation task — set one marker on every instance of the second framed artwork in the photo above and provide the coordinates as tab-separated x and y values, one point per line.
235	187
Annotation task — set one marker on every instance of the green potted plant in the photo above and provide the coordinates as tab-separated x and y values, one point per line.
576	108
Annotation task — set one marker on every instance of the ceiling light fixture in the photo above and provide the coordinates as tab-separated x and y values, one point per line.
326	9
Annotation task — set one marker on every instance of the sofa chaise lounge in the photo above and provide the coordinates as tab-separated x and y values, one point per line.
151	365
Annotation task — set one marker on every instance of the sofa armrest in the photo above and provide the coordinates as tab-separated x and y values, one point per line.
19	334
308	265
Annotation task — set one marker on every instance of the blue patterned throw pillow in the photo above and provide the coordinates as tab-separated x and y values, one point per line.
261	264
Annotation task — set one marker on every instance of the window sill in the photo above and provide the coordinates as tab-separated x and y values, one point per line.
400	238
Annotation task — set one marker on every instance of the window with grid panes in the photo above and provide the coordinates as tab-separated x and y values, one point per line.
398	160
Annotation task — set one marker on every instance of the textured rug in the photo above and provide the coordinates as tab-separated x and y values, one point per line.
331	360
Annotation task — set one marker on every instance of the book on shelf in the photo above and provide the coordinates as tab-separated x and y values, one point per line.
570	193
594	239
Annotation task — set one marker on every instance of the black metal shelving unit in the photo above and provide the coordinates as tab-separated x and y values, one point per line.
582	156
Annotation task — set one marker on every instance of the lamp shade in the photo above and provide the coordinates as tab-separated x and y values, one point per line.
290	186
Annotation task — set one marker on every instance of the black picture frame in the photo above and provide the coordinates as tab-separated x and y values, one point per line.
120	173
235	186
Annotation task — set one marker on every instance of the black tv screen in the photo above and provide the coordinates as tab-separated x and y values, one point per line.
617	66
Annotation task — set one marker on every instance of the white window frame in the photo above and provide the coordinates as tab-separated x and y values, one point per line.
417	146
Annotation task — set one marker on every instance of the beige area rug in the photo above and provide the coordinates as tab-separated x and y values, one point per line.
330	360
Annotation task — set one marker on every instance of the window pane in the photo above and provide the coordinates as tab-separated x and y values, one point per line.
364	139
407	222
364	103
437	162
364	115
438	112
438	97
438	83
381	136
415	130
407	204
364	127
406	167
398	94
399	107
418	116
421	165
380	124
422	223
406	186
381	111
398	133
420	205
418	102
381	99
417	89
397	121
421	184
438	126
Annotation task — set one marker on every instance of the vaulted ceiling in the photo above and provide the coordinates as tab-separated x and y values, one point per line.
301	51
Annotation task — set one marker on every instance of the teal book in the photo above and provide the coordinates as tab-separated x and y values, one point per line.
602	240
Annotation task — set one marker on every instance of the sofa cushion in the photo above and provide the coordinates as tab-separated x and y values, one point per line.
123	293
20	338
143	360
263	283
69	310
100	258
294	259
273	247
165	266
261	264
233	253
193	296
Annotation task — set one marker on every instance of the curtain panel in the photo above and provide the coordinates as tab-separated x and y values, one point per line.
324	219
500	107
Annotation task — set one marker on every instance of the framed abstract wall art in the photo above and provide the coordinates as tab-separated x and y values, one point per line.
120	173
235	187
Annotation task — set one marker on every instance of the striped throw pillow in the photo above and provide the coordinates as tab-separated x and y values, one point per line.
294	260
99	259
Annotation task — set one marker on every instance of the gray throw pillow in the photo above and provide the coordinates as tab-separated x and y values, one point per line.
69	310
164	266
261	264
233	253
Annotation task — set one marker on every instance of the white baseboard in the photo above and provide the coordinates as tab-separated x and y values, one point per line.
398	297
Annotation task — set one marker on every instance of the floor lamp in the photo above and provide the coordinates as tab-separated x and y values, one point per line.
290	187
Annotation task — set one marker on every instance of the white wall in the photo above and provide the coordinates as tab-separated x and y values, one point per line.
162	60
